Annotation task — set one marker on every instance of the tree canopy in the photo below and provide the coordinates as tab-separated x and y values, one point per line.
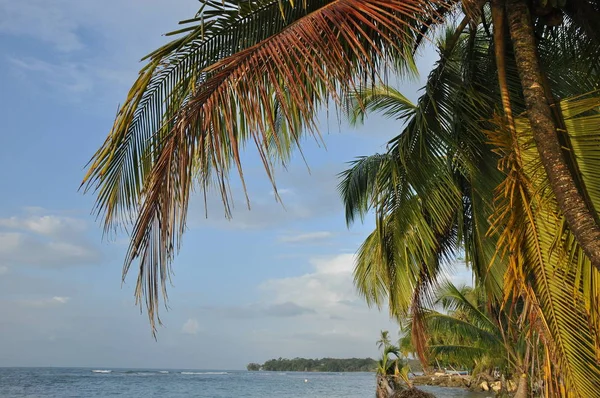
320	365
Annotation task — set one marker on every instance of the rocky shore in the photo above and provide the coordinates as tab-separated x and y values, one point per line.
482	382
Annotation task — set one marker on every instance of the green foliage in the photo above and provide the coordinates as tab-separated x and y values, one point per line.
320	365
467	333
253	366
506	220
432	191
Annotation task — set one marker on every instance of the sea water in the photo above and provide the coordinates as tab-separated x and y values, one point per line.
104	382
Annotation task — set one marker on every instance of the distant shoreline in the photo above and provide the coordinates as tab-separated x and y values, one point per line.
324	365
311	371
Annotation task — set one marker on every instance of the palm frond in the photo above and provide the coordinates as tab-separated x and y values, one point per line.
438	323
453	299
358	185
546	266
202	96
384	99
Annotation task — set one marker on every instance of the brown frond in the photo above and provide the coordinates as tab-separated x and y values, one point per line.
326	51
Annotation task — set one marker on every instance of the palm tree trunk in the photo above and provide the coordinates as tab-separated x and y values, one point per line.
384	390
523	388
578	215
499	45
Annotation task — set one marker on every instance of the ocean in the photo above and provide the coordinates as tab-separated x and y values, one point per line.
90	383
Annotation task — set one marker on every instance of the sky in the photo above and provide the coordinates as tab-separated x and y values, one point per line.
272	282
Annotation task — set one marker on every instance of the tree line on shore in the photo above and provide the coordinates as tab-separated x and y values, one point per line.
316	365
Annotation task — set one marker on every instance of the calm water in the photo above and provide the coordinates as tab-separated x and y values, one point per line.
79	382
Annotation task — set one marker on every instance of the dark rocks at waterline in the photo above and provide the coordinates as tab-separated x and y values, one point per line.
480	383
442	380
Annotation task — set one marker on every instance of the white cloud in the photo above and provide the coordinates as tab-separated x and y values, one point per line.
285	310
91	49
307	237
312	315
191	326
46	302
340	324
327	290
49	225
45	240
63	23
62	300
458	274
258	310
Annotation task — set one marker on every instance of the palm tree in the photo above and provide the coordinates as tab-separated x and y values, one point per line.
434	190
384	340
228	79
392	370
385	368
478	335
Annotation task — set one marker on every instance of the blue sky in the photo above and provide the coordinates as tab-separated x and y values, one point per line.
270	282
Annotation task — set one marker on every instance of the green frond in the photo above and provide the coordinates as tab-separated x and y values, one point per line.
414	185
466	353
358	185
384	99
453	299
465	329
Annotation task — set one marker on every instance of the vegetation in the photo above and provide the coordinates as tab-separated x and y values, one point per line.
437	192
319	365
393	370
252	366
498	159
472	334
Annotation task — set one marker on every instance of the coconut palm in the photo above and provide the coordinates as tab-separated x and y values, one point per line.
384	340
434	190
259	69
226	79
476	335
392	370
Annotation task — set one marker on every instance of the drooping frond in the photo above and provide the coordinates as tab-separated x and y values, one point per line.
468	333
203	96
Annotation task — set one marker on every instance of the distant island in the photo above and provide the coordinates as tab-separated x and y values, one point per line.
324	365
316	365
